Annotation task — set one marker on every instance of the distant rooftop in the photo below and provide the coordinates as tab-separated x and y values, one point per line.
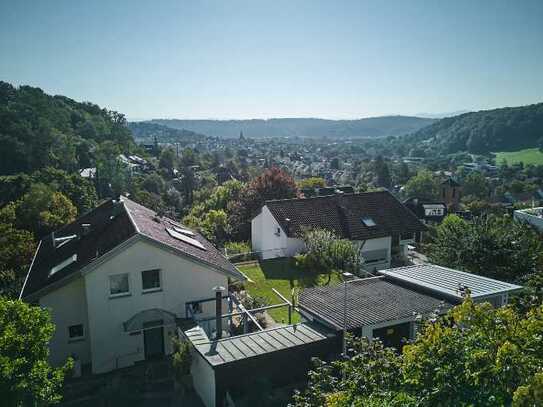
236	348
446	281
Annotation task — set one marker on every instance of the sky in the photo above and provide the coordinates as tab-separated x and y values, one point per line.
234	59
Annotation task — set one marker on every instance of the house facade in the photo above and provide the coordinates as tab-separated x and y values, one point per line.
376	221
117	281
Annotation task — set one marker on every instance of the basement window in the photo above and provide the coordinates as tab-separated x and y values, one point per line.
369	222
76	332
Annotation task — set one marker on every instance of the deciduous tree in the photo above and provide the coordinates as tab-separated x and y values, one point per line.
26	378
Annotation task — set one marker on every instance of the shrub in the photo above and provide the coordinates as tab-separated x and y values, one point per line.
181	358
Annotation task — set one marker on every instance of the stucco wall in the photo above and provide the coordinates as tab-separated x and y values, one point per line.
270	242
256	233
203	377
377	244
182	280
68	306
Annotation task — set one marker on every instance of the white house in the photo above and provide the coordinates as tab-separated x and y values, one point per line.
377	221
533	216
118	279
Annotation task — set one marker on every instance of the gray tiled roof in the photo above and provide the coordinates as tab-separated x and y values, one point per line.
343	215
446	281
235	348
369	301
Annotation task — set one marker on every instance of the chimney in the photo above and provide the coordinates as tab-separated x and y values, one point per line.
218	311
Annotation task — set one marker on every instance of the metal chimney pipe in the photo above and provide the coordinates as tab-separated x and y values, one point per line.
218	311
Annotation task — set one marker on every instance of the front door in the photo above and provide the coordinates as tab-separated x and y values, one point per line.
153	339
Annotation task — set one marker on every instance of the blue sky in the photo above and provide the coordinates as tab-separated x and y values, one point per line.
261	59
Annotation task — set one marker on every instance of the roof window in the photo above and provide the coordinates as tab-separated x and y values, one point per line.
369	222
185	239
64	264
184	231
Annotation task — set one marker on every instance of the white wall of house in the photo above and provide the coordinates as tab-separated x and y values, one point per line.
270	240
530	216
203	378
68	306
182	280
372	248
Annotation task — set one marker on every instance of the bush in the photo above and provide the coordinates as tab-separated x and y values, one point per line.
237	248
181	358
326	253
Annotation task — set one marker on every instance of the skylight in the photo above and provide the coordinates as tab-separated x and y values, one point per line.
369	222
184	231
65	263
185	239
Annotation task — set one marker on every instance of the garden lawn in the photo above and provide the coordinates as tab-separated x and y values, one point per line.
283	275
527	156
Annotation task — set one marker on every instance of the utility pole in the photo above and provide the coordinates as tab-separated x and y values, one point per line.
346	277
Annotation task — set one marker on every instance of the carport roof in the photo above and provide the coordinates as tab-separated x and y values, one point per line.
448	282
370	301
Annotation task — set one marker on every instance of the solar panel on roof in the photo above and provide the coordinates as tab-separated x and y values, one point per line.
186	239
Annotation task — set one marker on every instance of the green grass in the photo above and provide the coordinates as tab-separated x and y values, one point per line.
283	275
527	156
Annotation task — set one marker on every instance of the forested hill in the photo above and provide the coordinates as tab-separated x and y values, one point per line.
38	130
505	129
146	131
303	127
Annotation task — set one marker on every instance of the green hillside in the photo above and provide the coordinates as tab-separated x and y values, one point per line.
506	129
526	156
38	130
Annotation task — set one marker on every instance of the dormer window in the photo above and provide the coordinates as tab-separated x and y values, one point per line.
369	222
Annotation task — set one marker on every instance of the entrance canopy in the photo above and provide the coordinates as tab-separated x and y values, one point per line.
149	318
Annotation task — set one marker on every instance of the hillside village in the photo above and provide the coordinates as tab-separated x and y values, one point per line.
274	204
183	266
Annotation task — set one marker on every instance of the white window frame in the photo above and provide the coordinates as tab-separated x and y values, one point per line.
153	289
123	294
76	338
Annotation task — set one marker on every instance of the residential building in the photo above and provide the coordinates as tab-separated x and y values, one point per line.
117	280
426	211
376	221
533	216
451	192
